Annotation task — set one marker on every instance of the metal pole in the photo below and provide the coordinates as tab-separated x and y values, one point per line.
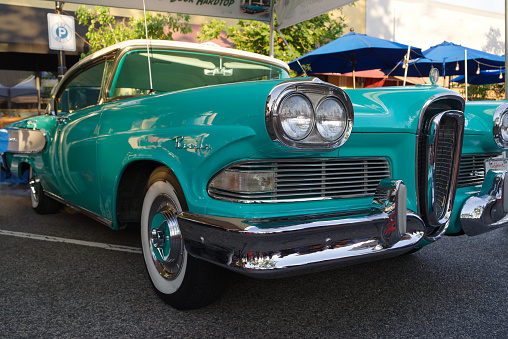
506	44
465	67
272	29
406	62
61	54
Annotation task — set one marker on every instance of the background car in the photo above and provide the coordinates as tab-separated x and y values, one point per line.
226	163
480	203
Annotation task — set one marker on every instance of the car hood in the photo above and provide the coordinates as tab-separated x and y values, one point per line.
392	109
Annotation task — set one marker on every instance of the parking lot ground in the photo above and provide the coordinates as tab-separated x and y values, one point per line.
60	279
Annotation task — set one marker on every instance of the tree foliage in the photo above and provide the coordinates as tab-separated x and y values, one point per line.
105	30
254	36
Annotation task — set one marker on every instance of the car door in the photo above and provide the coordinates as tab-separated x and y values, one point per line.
76	138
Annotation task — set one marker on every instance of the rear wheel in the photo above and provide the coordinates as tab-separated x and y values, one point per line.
180	280
41	203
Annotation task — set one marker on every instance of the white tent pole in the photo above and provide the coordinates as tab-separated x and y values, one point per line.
465	68
406	62
272	28
148	51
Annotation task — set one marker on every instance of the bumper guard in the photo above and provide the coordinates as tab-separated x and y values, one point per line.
276	247
488	209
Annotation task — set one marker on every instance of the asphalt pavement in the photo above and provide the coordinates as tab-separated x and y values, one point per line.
67	276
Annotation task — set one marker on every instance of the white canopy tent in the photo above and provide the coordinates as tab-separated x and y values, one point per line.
289	12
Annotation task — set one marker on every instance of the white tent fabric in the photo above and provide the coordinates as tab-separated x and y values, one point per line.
289	12
217	8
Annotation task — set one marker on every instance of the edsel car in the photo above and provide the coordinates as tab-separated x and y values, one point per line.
227	164
480	202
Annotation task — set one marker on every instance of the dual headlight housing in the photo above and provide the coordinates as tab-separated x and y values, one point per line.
500	129
309	115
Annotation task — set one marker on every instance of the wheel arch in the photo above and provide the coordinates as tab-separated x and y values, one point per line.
132	188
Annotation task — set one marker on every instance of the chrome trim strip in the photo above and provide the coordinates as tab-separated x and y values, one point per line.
487	210
277	247
496	130
315	90
26	141
86	212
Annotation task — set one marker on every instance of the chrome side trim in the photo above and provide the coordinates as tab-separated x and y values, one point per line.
315	90
487	210
496	130
277	247
26	141
86	212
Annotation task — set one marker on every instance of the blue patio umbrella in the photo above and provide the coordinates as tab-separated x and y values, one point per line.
354	52
490	76
446	57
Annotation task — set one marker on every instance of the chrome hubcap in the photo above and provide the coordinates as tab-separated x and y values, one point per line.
166	242
34	187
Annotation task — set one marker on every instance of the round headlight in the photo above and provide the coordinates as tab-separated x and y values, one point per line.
500	129
296	117
331	119
503	128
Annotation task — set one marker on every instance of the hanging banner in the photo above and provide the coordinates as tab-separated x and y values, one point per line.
291	12
239	9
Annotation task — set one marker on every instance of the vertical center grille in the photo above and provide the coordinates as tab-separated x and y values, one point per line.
446	144
440	146
311	179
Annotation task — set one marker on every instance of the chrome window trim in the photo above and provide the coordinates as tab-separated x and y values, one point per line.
496	130
306	87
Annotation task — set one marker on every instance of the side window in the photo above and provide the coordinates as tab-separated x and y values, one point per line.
83	90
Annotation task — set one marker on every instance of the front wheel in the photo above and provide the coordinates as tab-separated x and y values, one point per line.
180	280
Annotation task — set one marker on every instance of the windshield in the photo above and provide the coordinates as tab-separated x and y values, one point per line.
176	70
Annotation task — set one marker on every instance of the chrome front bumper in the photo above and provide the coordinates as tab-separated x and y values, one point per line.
488	209
276	247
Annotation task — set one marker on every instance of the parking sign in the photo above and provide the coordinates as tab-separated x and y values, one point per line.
61	32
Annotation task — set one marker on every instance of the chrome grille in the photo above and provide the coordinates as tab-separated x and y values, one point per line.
447	140
472	169
310	179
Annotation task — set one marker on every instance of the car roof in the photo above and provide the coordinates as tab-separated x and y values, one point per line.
184	46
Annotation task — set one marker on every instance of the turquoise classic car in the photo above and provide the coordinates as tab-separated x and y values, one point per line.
227	163
480	202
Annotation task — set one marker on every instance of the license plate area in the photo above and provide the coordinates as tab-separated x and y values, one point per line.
497	164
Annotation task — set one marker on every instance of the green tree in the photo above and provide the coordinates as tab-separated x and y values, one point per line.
254	36
105	30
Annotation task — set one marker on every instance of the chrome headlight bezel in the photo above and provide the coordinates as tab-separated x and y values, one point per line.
316	92
501	114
